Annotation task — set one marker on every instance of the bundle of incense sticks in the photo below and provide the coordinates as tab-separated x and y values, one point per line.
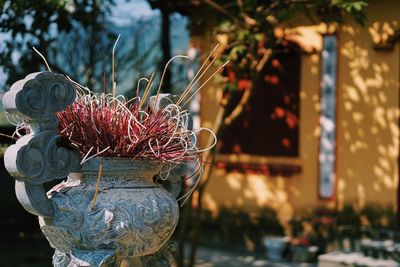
111	126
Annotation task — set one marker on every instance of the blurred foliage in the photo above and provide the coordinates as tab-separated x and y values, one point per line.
236	229
253	38
41	24
233	228
77	37
348	216
330	225
375	216
323	224
251	29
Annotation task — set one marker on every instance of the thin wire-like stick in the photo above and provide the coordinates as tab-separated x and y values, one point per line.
198	79
170	167
87	154
97	185
104	83
138	85
44	59
113	126
146	91
79	85
95	155
8	136
122	106
220	68
13	119
196	182
186	91
164	71
213	135
137	92
145	95
188	88
114	85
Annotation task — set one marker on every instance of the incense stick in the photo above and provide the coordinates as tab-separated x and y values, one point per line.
221	67
146	91
186	91
114	85
44	59
198	79
97	185
164	71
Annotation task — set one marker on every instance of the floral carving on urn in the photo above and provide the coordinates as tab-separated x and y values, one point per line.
132	216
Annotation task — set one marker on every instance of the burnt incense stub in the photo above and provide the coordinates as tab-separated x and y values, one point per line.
131	218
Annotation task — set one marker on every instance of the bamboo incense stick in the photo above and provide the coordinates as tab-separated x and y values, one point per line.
114	85
186	91
146	91
188	100
164	71
97	185
44	59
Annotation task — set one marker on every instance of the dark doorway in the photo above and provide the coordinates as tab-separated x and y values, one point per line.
269	126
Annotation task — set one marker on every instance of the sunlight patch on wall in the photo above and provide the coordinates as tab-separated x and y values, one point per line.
369	136
340	194
210	203
361	195
235	181
380	31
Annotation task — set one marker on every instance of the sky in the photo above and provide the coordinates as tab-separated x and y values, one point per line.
125	9
122	13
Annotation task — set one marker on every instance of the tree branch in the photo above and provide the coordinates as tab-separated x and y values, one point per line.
224	12
264	59
239	108
207	155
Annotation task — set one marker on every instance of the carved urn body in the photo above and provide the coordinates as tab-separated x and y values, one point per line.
128	221
130	217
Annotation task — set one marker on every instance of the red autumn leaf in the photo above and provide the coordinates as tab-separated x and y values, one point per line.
243	84
291	120
237	149
286	142
276	64
279	112
272	79
286	99
232	76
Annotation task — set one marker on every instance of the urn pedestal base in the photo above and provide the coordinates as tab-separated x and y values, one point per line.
163	258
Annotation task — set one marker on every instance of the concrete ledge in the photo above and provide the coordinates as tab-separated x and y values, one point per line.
340	259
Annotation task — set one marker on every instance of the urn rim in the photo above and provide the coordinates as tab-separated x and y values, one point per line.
119	164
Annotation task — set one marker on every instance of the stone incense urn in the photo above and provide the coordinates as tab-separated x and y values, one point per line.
130	220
